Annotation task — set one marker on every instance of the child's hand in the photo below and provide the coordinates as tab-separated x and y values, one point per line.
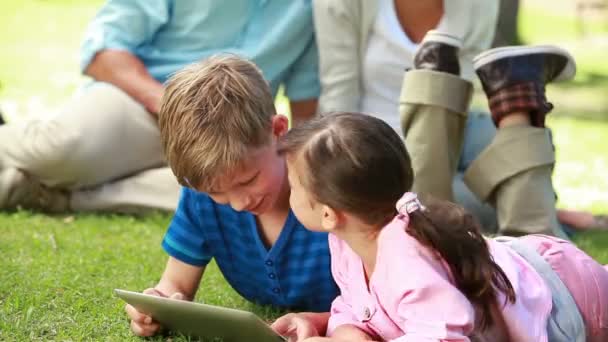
142	324
295	327
330	339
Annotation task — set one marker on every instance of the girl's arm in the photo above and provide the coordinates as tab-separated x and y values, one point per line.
342	319
428	306
344	333
349	332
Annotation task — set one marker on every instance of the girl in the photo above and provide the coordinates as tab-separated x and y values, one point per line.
421	271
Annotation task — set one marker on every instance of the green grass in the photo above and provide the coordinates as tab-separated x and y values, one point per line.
39	60
582	163
57	272
543	21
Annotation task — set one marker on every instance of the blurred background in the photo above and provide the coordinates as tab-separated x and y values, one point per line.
39	40
55	283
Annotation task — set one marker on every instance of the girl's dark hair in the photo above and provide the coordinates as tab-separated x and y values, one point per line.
455	234
359	164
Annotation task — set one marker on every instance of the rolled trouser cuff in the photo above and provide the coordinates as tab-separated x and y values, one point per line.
433	113
433	137
427	87
513	150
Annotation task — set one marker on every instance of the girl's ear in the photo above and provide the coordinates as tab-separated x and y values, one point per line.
330	219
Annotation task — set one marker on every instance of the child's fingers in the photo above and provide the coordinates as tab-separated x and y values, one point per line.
144	330
177	295
154	292
137	316
142	324
283	325
304	329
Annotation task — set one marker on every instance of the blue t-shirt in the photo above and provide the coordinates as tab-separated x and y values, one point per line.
277	35
295	273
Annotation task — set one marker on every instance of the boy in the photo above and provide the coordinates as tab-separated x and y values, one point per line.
219	130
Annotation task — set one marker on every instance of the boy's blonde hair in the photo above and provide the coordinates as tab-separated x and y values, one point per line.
213	113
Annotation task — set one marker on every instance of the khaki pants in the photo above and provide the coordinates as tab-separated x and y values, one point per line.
433	109
103	146
513	173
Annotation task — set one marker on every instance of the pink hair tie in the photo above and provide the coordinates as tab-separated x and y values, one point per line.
408	203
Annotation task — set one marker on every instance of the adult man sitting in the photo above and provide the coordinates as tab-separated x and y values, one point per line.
102	151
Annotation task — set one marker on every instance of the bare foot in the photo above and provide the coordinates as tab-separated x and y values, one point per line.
582	220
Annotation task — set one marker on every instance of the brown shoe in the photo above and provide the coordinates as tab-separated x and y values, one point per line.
511	65
19	191
514	78
438	51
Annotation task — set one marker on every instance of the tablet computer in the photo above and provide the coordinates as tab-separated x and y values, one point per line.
201	320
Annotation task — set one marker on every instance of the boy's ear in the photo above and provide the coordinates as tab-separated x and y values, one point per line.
280	125
330	219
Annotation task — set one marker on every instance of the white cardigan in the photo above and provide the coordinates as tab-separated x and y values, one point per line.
342	32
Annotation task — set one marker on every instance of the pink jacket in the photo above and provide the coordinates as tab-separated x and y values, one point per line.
411	295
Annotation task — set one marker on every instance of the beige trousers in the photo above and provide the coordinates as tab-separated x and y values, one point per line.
103	146
433	108
513	173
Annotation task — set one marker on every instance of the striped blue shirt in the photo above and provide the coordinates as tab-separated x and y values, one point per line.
166	35
294	273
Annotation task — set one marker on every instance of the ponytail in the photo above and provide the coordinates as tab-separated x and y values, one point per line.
455	235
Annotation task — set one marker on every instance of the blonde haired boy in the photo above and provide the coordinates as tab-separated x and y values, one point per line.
219	130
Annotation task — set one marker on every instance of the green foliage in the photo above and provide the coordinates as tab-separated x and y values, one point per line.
58	274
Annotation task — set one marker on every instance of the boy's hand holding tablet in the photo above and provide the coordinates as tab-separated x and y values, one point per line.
151	309
144	325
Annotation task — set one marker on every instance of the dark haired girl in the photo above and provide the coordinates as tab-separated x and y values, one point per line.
412	270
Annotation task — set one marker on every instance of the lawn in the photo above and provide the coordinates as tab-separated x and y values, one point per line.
57	272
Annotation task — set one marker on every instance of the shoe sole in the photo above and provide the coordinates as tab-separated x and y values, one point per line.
441	37
492	55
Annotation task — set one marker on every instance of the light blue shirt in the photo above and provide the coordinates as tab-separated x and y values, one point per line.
166	35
